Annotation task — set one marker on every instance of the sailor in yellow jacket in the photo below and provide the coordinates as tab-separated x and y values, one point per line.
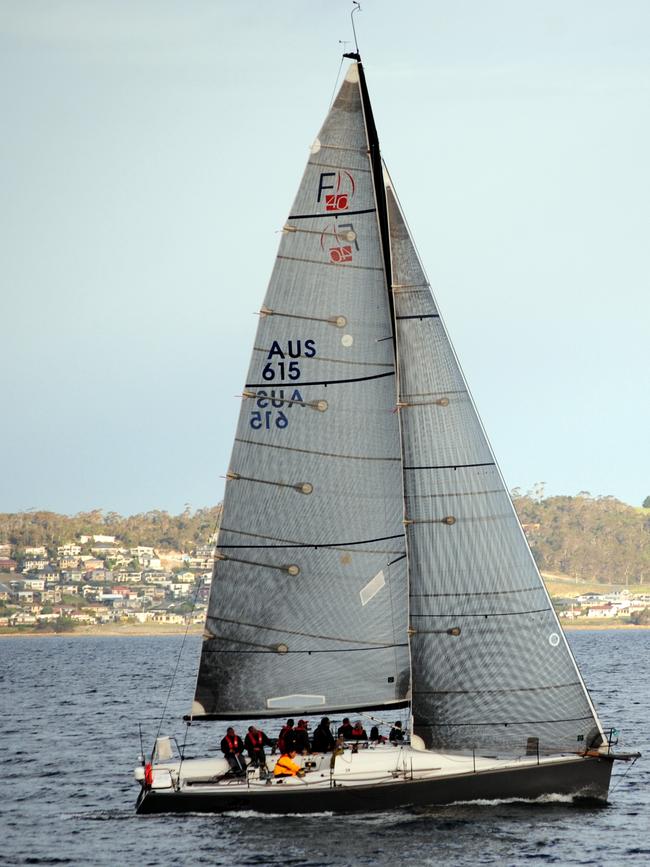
286	767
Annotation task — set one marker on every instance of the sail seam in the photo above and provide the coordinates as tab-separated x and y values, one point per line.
465	519
310	544
477	593
331	214
331	147
297	383
524	722
488	614
493	691
284	631
341	168
345	265
452	466
312	452
287	652
456	494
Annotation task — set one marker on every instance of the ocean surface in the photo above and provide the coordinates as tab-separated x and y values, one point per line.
69	713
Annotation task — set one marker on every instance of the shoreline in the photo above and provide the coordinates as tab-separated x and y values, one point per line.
131	630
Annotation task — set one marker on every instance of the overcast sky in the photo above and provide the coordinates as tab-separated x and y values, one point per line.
150	151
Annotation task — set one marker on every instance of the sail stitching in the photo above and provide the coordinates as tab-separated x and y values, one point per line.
342	545
284	631
476	593
328	264
354	169
314	452
493	724
495	691
488	614
452	466
296	384
455	494
331	214
465	519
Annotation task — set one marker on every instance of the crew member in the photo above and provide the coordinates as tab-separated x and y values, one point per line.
322	742
345	729
396	734
282	745
255	741
286	767
232	747
358	732
298	738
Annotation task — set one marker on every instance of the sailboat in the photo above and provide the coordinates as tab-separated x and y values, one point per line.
369	558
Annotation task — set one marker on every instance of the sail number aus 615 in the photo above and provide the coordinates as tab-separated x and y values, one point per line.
270	409
283	360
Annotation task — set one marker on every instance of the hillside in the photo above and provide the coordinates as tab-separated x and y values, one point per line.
162	531
593	539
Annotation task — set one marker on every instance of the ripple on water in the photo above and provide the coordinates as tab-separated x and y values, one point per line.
71	708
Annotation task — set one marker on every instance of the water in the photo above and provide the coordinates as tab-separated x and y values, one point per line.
69	741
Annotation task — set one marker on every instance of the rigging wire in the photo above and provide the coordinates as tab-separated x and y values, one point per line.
178	659
338	74
180	652
623	776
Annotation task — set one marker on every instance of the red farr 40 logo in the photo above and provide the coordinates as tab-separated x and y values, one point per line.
342	188
344	239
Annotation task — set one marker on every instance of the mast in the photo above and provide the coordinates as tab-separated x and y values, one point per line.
378	182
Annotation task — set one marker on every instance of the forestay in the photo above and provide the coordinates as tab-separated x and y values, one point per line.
491	667
307	611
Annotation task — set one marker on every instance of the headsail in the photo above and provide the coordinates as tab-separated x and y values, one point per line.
509	675
307	611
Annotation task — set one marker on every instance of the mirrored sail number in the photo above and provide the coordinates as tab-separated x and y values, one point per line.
283	360
271	407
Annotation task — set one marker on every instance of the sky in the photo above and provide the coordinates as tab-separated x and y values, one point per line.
150	152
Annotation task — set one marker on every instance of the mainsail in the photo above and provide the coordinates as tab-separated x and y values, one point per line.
307	610
491	667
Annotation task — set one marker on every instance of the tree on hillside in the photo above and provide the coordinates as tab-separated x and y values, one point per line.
646	502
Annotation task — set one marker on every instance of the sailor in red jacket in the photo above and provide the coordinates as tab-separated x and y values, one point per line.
232	747
255	741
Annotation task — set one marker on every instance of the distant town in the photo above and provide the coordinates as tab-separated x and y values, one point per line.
95	579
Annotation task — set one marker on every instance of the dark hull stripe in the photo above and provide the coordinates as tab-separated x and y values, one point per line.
584	779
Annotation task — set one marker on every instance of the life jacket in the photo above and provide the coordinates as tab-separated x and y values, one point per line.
285	767
148	775
256	739
233	744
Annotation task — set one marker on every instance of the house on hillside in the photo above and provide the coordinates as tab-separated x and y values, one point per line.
7	564
34	564
68	549
35	551
608	609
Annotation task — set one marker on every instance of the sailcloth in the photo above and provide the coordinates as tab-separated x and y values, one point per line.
308	603
491	667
